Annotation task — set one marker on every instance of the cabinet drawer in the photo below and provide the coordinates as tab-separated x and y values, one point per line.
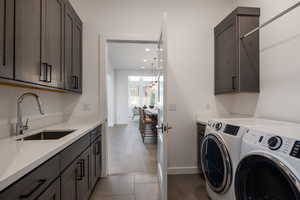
74	150
52	193
34	183
95	133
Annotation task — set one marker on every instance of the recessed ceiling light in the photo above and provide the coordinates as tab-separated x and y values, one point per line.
145	60
147	49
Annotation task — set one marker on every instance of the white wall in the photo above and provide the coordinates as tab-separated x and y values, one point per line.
190	37
51	103
111	94
279	64
121	92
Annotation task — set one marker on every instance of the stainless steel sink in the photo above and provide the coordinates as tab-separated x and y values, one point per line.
48	135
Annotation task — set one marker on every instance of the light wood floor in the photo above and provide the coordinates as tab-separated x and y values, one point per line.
133	171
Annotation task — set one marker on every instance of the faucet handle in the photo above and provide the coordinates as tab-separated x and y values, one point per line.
26	127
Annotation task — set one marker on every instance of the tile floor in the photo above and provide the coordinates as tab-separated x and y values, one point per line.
186	187
138	186
133	171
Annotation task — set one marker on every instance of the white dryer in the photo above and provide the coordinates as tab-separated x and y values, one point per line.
269	168
220	154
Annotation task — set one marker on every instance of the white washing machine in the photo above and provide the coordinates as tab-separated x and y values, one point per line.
220	154
269	167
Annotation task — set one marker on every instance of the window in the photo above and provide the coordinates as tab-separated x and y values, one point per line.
141	91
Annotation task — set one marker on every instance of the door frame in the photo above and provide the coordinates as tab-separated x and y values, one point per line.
103	40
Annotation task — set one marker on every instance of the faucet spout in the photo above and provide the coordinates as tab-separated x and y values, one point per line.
19	126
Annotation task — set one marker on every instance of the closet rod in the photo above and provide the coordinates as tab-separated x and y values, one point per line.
271	20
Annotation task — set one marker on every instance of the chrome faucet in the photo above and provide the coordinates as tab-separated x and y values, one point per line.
20	127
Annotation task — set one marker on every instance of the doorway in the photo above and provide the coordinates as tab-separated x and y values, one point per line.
131	90
131	87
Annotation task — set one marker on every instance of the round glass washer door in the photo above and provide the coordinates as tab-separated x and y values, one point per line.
262	176
216	163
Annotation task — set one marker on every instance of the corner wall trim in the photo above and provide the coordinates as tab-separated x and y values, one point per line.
183	170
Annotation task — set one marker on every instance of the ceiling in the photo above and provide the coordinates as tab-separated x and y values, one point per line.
125	55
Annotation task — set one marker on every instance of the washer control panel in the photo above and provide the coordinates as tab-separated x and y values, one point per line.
296	150
277	143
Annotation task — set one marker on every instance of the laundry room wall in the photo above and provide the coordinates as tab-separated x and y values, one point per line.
279	64
190	45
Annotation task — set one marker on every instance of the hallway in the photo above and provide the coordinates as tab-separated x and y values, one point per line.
127	152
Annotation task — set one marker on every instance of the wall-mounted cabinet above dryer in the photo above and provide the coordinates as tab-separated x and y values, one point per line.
236	59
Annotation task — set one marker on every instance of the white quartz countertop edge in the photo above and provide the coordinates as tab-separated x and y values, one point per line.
27	155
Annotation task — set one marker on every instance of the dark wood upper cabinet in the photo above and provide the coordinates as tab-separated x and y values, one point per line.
53	45
237	60
6	39
48	44
28	40
77	52
39	42
73	50
69	24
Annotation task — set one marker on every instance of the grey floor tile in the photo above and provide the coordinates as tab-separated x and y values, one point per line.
145	178
186	187
128	154
147	191
123	197
115	186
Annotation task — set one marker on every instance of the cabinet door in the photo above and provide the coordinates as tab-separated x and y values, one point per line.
225	58
53	46
77	55
83	175
69	183
93	173
69	26
28	37
6	38
52	193
98	158
249	54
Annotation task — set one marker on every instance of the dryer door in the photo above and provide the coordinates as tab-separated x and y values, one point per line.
262	176
216	163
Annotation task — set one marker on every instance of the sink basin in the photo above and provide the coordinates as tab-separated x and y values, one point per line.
48	135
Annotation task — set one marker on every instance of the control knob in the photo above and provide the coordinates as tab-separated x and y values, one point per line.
218	126
275	143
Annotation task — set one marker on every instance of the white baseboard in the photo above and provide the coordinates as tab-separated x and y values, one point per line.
183	170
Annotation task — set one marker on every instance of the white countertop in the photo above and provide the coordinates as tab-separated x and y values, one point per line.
203	119
20	157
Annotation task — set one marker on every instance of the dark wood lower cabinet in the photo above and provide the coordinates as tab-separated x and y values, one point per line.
52	193
96	161
82	176
69	182
60	178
